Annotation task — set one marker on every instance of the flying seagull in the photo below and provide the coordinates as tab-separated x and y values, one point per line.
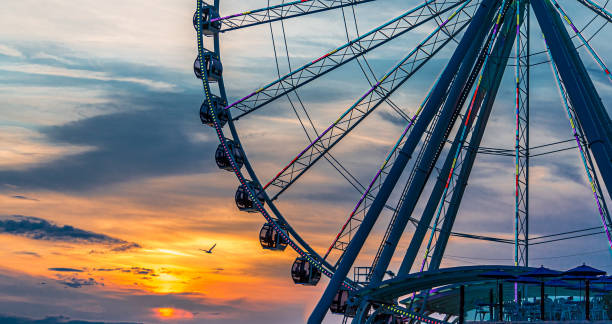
209	250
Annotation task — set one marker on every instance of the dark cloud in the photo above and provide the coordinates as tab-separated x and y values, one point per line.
565	167
393	118
74	282
65	270
30	253
150	134
133	270
39	301
23	197
126	247
41	229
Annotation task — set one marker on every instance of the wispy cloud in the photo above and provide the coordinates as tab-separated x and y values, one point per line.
49	70
10	51
74	282
46	56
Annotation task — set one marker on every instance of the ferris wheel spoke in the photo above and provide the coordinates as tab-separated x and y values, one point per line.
370	100
596	8
341	55
582	39
352	223
283	11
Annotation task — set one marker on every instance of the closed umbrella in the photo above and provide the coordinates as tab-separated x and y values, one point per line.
542	273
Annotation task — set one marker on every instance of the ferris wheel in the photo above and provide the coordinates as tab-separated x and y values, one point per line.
437	143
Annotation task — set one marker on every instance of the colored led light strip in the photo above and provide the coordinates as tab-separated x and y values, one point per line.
584	41
411	315
237	171
463	134
517	138
581	149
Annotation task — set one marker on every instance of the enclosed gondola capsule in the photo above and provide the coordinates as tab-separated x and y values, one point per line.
304	273
223	161
340	302
218	105
270	239
213	66
244	201
208	13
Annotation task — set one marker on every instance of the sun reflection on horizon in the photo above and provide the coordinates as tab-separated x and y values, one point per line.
170	313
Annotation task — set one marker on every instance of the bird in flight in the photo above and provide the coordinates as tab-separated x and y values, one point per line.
209	250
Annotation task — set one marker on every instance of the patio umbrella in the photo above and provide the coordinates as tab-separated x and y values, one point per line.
604	283
542	273
497	275
587	273
525	280
557	283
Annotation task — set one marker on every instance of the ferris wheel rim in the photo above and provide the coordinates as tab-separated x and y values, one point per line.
314	257
301	250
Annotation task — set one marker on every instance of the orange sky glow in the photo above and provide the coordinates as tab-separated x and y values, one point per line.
100	136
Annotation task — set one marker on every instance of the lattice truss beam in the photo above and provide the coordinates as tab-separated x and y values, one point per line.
282	11
376	95
521	199
342	55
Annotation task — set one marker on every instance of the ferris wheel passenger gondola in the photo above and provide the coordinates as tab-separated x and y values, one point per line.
244	201
270	239
303	273
223	161
212	64
208	13
218	105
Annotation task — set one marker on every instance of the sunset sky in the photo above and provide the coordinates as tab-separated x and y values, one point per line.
109	189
